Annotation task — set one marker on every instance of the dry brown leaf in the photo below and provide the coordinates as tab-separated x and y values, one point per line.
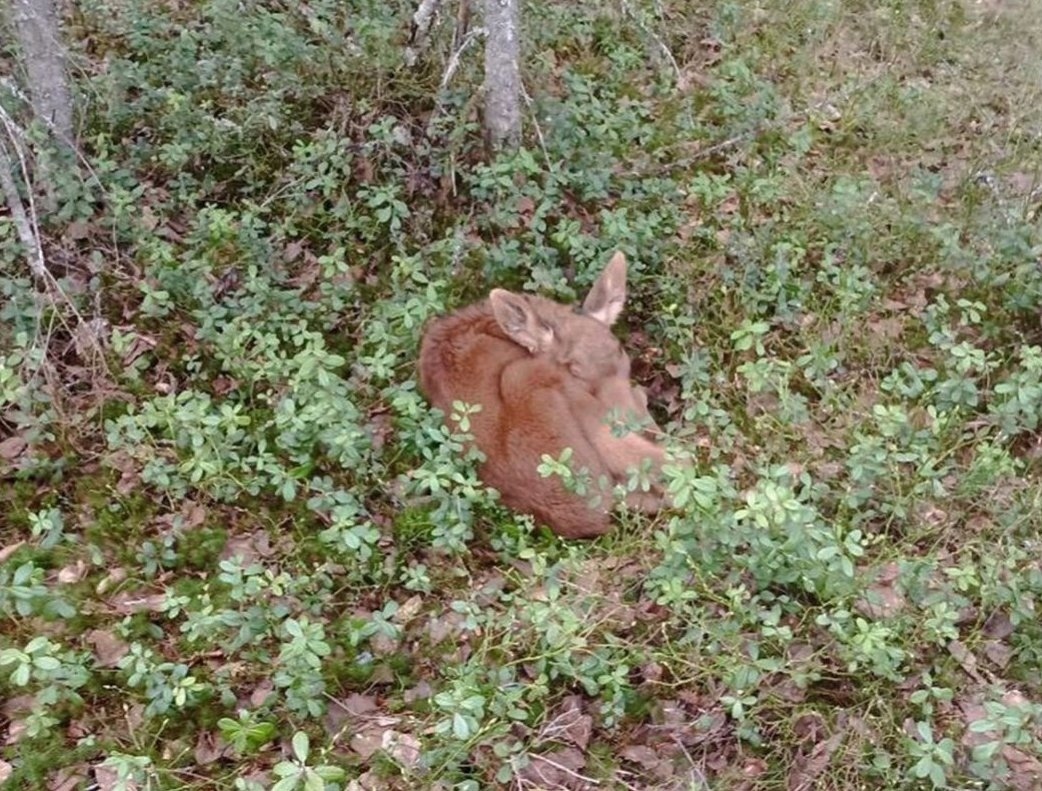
358	705
208	749
557	769
12	447
248	548
110	580
1022	183
383	644
148	218
69	778
381	428
222	385
642	755
127	483
809	727
128	469
342	712
442	627
190	516
807	768
80	728
932	516
375	780
15	731
403	748
194	515
1025	771
16	705
966	659
886	329
76	231
408	610
292	251
652	672
422	691
108	649
135	716
882	599
973	711
570	724
74	572
998	626
998	653
748	775
10	549
260	694
366	742
138	346
129	602
108	780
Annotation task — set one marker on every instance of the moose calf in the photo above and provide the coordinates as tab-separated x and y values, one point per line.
548	377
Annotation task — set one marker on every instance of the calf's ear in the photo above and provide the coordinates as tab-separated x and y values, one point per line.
608	295
520	321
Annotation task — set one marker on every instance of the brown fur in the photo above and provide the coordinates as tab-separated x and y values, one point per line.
546	378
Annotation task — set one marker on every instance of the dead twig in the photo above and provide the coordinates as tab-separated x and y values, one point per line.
422	20
24	222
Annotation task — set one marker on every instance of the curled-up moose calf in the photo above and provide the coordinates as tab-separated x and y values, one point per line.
547	377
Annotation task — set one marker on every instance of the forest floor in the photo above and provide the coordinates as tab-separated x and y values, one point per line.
238	550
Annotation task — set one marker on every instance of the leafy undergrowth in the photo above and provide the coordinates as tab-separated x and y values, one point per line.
239	551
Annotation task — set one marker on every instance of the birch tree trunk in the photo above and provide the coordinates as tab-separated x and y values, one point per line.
43	52
502	74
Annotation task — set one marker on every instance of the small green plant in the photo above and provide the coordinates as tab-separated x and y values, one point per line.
299	666
297	773
166	685
934	758
25	592
247	734
463	708
132	771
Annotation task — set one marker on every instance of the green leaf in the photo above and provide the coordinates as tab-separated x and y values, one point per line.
20	676
923	767
982	726
228	725
460	727
937	776
301	746
330	774
286	783
925	732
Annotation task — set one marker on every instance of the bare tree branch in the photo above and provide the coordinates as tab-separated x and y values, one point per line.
450	70
421	26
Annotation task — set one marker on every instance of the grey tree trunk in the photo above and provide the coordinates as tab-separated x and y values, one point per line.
502	74
39	35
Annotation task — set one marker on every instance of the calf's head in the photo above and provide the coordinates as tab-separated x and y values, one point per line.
578	339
